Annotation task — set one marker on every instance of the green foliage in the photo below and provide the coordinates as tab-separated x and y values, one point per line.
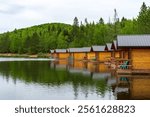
144	19
41	38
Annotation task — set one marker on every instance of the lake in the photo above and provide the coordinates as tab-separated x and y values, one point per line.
42	79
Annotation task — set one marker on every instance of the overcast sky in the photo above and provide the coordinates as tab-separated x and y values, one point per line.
24	13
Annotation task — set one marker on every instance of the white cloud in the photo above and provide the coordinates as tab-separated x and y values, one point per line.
23	13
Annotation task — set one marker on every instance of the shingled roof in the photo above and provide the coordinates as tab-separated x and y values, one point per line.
98	48
141	41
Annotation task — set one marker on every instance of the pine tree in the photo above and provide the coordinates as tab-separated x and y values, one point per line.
144	19
76	22
101	21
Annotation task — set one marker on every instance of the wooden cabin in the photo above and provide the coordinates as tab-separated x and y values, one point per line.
116	53
79	53
61	54
100	54
137	49
109	50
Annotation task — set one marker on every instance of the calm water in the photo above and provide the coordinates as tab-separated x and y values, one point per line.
42	79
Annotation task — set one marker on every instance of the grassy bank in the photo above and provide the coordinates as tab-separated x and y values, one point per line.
40	55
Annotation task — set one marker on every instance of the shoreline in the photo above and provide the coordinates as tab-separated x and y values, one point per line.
40	55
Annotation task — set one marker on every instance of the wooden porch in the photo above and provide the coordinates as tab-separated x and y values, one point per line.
127	69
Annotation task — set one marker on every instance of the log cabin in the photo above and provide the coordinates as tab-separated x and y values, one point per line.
137	49
109	50
116	53
61	54
100	54
79	53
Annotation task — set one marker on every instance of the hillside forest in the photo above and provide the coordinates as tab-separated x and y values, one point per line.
42	38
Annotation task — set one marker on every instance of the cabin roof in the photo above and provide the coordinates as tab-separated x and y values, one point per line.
108	46
83	49
98	48
114	45
133	41
60	50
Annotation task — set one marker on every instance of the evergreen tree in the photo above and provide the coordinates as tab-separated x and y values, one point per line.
43	37
101	21
75	22
144	20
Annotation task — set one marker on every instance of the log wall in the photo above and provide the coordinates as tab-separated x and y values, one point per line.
140	58
79	56
91	55
63	55
103	56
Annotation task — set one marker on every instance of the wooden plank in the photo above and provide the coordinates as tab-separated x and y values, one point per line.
140	71
140	58
123	71
133	72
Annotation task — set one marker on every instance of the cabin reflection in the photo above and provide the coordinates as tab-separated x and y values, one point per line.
122	89
79	65
99	76
132	87
77	71
97	67
95	71
111	81
61	64
140	87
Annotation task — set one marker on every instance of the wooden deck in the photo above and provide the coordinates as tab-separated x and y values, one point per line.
133	76
133	72
124	71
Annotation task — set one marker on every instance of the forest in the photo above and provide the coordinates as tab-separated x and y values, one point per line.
42	38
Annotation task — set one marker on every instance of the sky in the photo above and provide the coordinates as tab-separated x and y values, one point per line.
25	13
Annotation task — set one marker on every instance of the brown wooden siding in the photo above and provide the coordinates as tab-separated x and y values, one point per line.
117	54
63	55
124	54
79	56
140	58
91	55
103	56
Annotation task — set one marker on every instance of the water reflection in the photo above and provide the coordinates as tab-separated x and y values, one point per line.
140	87
63	80
132	87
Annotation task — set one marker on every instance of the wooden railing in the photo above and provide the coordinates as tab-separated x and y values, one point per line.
117	62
